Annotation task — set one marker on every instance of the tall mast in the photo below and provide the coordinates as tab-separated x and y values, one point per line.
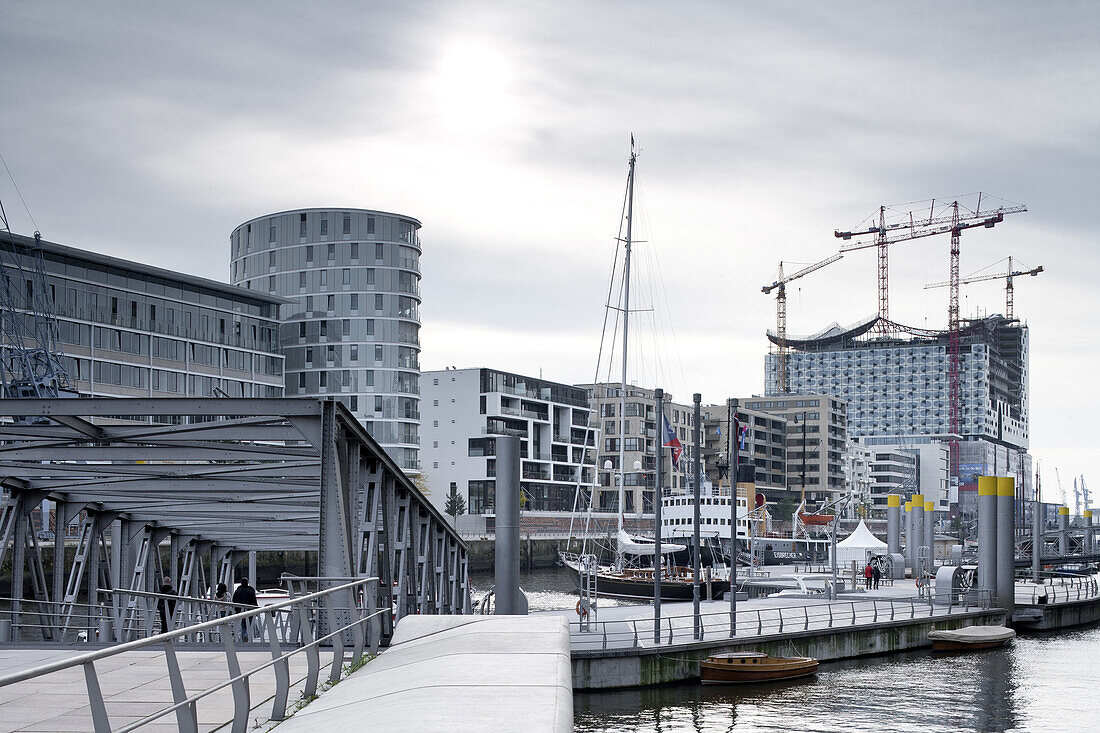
626	332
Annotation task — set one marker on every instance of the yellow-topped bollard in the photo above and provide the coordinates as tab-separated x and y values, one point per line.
987	533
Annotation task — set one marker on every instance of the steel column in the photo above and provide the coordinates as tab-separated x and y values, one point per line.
1006	544
893	524
507	525
987	533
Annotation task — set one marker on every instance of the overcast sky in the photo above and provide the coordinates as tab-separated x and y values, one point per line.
150	130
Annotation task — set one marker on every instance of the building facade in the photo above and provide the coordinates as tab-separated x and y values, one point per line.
898	386
817	434
133	330
465	410
641	437
762	443
352	330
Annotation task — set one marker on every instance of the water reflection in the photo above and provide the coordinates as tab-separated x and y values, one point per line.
1039	683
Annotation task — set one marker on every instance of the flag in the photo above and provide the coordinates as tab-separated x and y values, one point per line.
671	441
744	435
718	428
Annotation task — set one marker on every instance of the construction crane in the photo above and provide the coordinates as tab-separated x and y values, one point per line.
1062	491
32	363
947	218
1008	276
782	380
908	226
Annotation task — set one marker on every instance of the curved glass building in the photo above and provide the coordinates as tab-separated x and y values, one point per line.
354	332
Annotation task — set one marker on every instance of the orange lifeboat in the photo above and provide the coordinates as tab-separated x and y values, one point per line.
816	520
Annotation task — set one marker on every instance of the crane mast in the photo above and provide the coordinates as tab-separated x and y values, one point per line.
782	350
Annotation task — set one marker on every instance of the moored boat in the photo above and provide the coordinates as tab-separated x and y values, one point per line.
748	667
971	637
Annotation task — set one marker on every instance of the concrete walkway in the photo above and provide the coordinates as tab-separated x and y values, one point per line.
134	684
498	674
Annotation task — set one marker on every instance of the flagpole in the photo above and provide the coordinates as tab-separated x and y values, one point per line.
733	434
660	395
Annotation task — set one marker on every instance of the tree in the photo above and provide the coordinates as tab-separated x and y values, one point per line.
420	481
455	503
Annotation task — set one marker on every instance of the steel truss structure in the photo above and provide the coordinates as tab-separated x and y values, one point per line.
229	476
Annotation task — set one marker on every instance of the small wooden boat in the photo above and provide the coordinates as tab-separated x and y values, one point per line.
971	637
747	667
816	519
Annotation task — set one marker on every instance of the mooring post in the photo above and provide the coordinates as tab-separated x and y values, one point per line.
1006	545
987	534
507	526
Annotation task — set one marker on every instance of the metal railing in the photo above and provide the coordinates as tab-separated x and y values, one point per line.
761	622
1059	589
309	629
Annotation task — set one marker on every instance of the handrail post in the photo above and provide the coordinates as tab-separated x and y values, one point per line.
313	657
100	722
806	613
186	716
337	640
241	702
281	669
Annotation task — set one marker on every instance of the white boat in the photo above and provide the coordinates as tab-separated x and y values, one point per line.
970	637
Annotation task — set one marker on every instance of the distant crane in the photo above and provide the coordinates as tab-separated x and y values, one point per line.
1061	490
1007	276
782	354
950	218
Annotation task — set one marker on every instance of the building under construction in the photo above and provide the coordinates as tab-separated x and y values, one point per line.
897	386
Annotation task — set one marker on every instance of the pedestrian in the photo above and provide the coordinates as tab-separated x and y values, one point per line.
245	595
221	593
167	606
875	575
868	574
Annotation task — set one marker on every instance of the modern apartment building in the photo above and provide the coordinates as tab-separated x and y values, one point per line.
898	387
352	330
762	443
133	330
930	472
465	410
640	437
817	433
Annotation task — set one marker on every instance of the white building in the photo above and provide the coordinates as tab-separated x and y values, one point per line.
465	409
930	472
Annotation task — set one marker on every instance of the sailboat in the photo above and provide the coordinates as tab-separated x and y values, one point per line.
631	574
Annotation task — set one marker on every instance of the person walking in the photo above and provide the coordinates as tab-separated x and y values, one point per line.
245	595
167	607
875	575
868	574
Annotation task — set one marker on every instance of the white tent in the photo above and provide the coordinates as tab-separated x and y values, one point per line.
860	545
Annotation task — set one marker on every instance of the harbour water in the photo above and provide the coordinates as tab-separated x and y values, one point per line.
1044	682
1038	683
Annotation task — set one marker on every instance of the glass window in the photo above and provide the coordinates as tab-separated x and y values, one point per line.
378	353
354	251
345	326
271	233
368	378
347	223
309	303
323	375
355	301
309	253
271	258
270	285
378	302
378	251
302	378
324	226
324	278
331	252
301	280
355	352
370	225
302	226
345	276
330	303
370	276
370	326
302	329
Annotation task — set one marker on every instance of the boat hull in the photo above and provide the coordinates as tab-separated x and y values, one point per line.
615	585
966	646
751	670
